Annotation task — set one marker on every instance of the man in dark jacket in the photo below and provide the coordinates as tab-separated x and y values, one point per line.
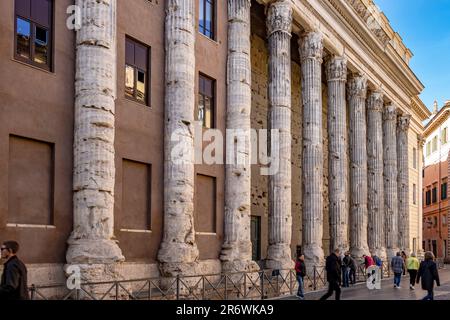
13	285
333	268
429	274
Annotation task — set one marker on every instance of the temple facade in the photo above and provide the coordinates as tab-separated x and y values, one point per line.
105	105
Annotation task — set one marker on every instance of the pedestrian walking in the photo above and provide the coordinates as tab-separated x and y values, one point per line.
300	269
333	269
412	265
353	266
13	285
346	265
404	257
429	274
397	265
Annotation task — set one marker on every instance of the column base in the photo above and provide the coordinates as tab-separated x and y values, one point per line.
173	253
279	257
314	257
391	252
93	251
380	252
81	275
359	252
236	257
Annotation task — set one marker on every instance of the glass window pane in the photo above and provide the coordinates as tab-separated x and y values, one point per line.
208	113
140	86
201	15
208	22
41	45
23	38
201	109
129	81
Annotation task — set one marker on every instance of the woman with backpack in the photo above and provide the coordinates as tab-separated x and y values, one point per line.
429	274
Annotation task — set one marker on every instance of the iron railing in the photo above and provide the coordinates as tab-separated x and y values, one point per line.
264	284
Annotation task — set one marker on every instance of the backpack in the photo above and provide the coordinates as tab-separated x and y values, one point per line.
378	261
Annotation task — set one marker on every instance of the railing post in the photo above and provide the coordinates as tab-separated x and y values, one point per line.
226	288
290	282
314	278
262	284
245	285
77	297
203	288
178	287
117	290
32	290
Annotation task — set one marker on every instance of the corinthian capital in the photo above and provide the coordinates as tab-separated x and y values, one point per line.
357	86
336	69
279	18
311	46
420	140
403	122
375	101
390	113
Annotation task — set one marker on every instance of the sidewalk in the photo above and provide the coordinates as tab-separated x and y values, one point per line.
388	292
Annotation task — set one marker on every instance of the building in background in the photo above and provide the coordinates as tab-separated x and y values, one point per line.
435	182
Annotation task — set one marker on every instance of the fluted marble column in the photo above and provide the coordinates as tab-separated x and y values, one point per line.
375	206
311	51
390	179
357	92
178	253
236	252
336	71
403	182
92	245
279	24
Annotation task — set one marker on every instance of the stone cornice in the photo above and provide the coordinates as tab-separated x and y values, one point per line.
420	108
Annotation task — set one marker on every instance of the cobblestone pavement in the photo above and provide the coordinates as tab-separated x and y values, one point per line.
388	292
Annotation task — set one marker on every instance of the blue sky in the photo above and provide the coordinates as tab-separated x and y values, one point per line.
424	26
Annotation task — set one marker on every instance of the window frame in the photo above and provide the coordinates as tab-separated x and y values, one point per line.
213	100
414	194
434	194
136	69
444	192
49	66
202	4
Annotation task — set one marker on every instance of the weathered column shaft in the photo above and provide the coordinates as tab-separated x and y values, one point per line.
311	50
178	252
390	179
375	206
92	239
357	91
236	252
279	24
336	70
403	182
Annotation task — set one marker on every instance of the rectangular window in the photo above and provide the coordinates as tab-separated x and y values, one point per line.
414	158
206	101
206	203
444	136
434	195
207	17
435	222
255	234
444	191
414	194
33	32
428	197
137	73
434	143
